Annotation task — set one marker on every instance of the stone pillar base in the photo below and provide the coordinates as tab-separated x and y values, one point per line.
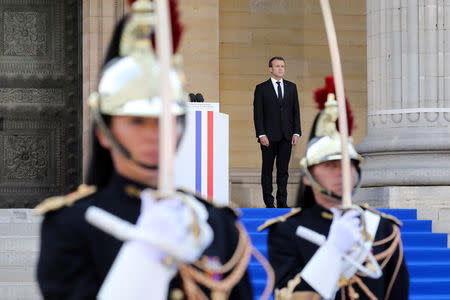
245	187
415	197
406	156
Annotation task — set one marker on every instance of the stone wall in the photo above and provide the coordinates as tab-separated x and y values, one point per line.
99	17
199	47
226	47
252	31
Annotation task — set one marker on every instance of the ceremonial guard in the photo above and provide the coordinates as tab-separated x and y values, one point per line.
319	251
177	245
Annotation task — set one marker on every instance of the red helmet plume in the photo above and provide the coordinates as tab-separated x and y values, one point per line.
320	96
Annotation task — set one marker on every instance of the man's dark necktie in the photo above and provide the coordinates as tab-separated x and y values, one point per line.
280	95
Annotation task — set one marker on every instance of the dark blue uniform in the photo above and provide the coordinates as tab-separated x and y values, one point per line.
75	257
288	254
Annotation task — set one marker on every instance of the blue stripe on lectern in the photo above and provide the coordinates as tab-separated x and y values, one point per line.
198	152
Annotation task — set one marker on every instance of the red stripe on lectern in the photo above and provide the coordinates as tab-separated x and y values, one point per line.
210	155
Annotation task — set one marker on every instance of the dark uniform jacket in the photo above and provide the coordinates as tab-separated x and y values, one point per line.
75	257
277	120
288	254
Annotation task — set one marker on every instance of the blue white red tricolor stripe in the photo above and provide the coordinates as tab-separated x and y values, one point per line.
204	153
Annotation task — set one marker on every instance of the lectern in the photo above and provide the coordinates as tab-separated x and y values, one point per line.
201	163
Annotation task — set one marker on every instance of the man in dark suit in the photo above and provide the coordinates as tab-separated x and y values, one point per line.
276	116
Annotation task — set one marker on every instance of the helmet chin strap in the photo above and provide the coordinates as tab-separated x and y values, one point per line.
116	145
323	190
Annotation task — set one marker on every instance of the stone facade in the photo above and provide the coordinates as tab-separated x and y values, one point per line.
226	48
99	17
199	48
253	31
408	103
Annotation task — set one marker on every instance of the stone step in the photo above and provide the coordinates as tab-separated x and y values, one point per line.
20	291
18	215
19	243
18	258
22	229
17	274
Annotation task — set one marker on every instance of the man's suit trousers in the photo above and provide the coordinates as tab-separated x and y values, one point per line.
281	150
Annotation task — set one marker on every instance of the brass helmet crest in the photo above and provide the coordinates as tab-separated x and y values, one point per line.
130	85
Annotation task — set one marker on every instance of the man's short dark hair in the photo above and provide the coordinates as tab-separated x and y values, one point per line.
273	58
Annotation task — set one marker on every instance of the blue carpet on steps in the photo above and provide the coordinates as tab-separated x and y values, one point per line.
426	253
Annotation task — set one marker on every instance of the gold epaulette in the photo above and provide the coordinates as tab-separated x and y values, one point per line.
133	191
282	218
287	292
236	212
57	202
383	215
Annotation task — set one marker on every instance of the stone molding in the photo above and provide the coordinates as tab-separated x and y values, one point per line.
408	100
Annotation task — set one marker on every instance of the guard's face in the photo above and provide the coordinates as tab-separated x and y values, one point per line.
329	175
140	136
277	69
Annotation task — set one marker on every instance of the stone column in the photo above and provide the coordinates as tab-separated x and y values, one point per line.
407	148
99	19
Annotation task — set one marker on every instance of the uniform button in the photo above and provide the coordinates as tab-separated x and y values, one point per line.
176	294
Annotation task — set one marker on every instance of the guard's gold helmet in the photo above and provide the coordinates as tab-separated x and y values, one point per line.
130	83
130	87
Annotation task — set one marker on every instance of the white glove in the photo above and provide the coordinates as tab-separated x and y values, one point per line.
345	230
174	227
137	270
323	270
164	228
172	220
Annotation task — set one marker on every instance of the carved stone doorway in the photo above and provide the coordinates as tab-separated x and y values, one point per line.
40	100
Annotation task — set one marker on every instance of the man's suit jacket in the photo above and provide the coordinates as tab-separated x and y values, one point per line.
272	118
